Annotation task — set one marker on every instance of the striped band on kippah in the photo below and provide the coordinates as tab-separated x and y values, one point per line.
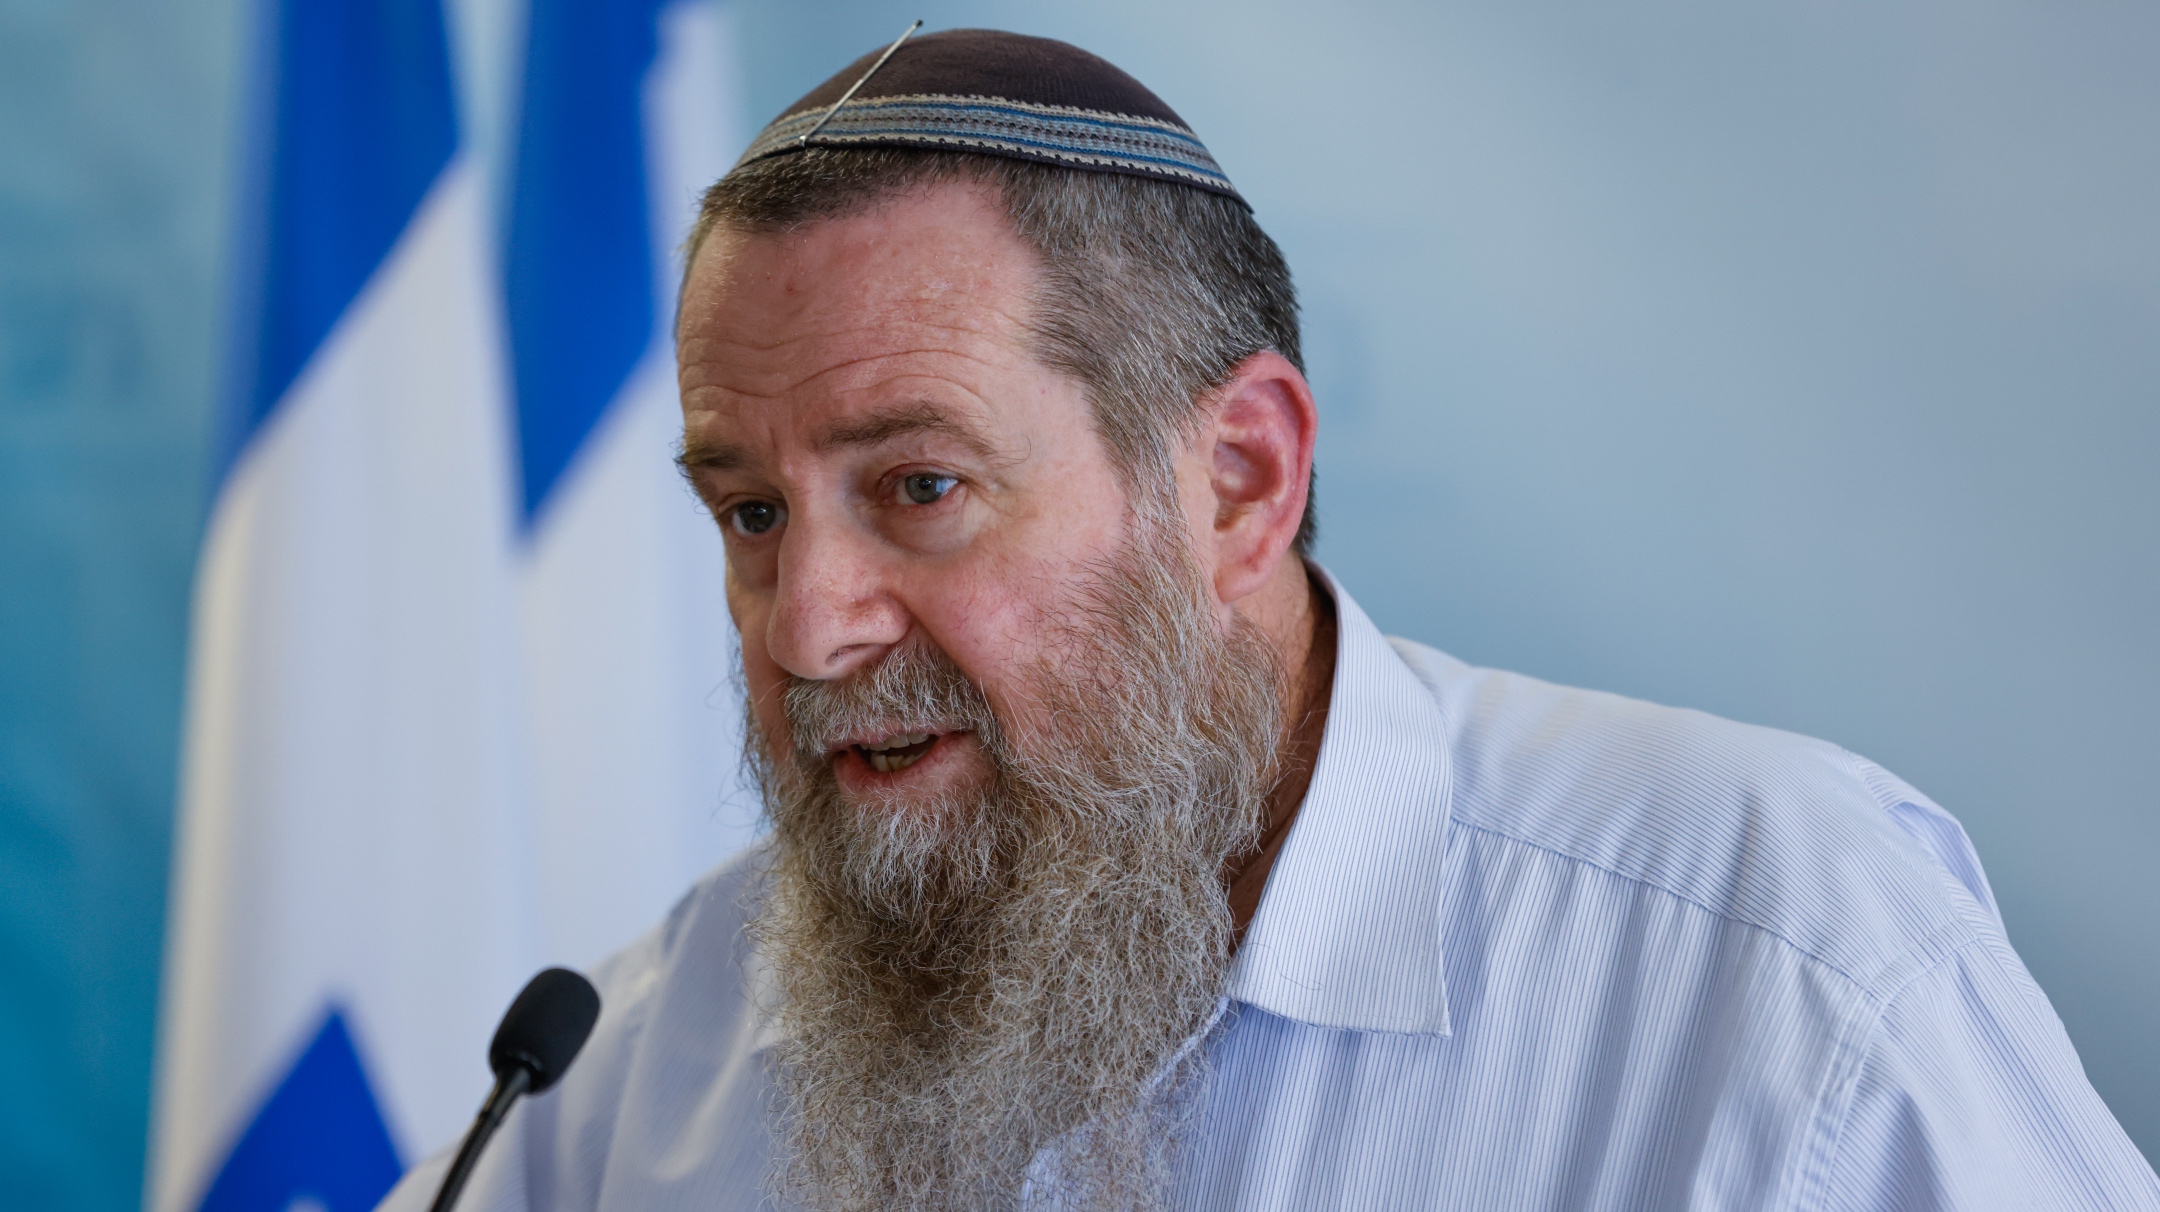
1082	138
987	92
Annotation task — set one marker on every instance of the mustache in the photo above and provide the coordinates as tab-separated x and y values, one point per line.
914	688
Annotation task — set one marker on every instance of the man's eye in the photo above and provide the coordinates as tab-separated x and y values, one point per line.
755	517
925	488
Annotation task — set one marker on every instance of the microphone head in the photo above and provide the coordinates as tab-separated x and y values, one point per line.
544	1028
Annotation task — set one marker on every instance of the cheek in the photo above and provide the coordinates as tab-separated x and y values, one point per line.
976	610
762	676
1000	626
749	612
766	713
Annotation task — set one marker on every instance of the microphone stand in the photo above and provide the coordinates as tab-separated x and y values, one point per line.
510	1085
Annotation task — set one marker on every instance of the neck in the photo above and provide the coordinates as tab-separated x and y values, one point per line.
1303	627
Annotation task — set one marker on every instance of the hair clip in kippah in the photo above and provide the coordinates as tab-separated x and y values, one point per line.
844	97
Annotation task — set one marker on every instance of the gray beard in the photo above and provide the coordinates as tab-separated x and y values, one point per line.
969	983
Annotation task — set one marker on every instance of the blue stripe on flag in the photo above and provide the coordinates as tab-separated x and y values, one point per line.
318	1137
579	266
359	124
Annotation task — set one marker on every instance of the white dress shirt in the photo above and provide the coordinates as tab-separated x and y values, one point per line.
1525	947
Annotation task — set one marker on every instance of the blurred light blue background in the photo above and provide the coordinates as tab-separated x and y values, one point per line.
1796	362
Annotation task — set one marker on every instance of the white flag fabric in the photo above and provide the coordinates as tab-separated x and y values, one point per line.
459	699
628	647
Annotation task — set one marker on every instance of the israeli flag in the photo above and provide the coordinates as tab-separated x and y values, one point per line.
459	700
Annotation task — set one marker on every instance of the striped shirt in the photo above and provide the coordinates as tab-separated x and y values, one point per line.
1525	947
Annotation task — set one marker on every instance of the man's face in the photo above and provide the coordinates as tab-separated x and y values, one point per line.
891	466
1009	734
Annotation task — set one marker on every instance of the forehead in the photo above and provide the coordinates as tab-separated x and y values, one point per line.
933	279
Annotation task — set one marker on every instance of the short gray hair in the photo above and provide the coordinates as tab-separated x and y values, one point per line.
1153	292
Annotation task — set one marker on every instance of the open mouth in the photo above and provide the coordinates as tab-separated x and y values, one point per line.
897	753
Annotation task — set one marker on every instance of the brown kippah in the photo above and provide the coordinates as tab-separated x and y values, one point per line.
998	94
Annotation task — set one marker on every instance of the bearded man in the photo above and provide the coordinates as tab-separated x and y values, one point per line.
1118	862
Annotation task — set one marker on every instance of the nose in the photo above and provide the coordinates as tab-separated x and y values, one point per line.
834	610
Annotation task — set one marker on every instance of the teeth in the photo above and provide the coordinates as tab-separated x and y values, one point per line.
884	757
886	763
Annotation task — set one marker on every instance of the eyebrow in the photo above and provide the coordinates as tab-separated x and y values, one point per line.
882	425
699	454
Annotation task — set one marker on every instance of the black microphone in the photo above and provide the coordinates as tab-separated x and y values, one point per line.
540	1035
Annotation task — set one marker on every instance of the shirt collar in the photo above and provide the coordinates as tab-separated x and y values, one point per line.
1348	930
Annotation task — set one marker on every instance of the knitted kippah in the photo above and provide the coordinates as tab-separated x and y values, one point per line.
998	94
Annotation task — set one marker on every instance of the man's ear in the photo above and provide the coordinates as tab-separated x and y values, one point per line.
1246	472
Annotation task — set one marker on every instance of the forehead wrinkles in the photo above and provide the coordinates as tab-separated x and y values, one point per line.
924	270
901	258
844	349
846	360
754	316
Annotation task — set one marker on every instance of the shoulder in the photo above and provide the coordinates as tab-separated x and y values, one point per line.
1791	835
701	939
722	901
695	961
